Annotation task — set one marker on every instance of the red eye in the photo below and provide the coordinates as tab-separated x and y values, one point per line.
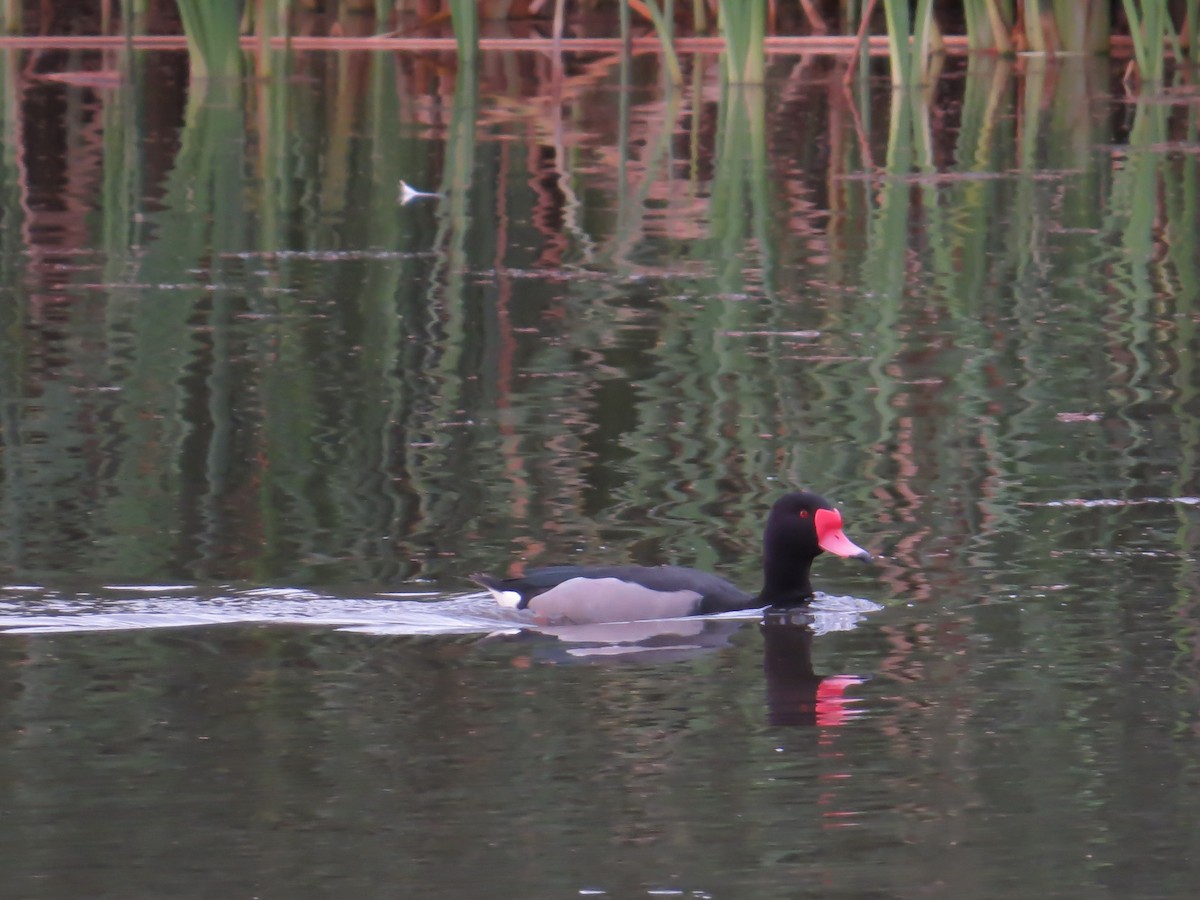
804	513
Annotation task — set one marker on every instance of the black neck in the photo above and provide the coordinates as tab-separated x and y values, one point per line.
785	579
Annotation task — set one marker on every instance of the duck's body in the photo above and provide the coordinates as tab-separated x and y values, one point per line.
800	526
617	593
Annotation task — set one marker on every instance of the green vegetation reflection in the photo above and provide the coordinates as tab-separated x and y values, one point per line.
616	342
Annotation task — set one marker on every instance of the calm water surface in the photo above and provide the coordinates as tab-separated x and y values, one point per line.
261	420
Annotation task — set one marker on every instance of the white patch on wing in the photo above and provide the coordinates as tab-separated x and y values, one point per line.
507	599
582	601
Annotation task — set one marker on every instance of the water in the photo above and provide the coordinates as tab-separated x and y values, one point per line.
261	421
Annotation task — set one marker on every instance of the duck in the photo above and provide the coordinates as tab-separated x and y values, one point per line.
800	526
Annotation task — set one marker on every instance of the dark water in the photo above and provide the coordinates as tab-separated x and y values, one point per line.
260	421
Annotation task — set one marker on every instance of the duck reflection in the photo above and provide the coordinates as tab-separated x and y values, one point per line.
796	695
656	641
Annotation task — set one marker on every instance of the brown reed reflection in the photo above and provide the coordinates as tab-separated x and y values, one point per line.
627	313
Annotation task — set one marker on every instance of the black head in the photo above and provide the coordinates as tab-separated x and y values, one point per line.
800	527
810	524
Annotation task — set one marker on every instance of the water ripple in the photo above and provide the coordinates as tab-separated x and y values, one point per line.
1114	501
31	609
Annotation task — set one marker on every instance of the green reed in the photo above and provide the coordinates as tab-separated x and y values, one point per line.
884	267
447	289
213	32
1082	26
744	26
1190	33
1182	203
988	24
14	261
1151	30
664	26
1180	200
266	19
631	204
152	319
1049	26
123	187
908	50
464	15
740	188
